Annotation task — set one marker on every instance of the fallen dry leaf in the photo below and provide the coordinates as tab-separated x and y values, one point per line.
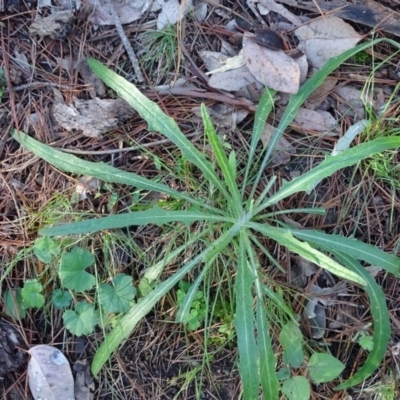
56	25
172	12
315	315
49	374
91	117
324	38
283	149
229	63
127	10
274	69
84	385
323	90
12	355
319	121
223	115
212	59
353	105
232	80
265	6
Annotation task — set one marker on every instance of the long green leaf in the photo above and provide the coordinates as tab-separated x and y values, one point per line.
244	324
381	320
330	165
223	162
156	119
105	172
154	215
306	89
128	322
285	238
263	110
267	360
352	247
269	380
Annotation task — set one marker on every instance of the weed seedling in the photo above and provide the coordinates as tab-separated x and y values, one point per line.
236	223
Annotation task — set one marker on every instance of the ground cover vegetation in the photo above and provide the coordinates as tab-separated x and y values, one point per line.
192	250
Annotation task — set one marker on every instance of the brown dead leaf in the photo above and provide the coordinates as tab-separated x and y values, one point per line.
283	150
96	85
223	115
324	38
172	12
91	117
232	80
323	90
56	25
319	121
127	10
274	69
265	6
12	355
84	385
353	106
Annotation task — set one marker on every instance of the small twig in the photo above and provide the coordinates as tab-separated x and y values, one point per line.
124	149
190	92
40	84
125	41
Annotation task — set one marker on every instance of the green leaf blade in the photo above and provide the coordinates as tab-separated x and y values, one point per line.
116	298
81	321
61	298
154	215
354	248
323	367
291	340
185	305
285	238
306	89
72	270
381	320
330	165
223	162
268	376
297	388
32	294
156	119
105	172
244	324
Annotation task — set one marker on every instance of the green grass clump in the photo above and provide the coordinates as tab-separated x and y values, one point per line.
235	218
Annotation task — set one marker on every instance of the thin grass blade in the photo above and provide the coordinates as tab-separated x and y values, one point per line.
128	322
305	182
381	320
223	162
352	247
105	172
156	119
244	324
285	238
154	215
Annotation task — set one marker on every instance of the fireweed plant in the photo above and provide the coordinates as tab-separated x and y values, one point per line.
239	225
